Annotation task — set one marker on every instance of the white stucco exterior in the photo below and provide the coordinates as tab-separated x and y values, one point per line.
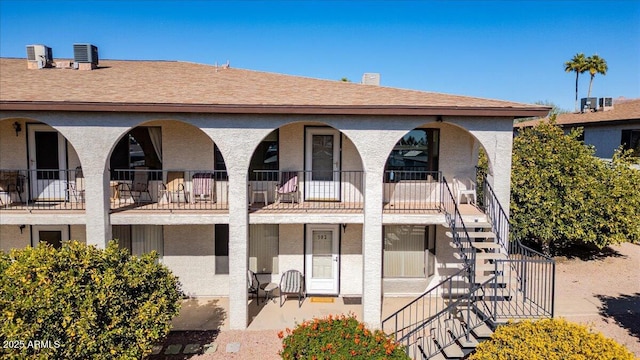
188	143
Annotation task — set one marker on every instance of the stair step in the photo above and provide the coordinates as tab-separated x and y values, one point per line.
453	351
471	343
490	256
482	331
485	245
477	225
481	245
473	234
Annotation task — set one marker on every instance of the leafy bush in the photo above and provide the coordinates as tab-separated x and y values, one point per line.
338	337
549	339
81	302
562	195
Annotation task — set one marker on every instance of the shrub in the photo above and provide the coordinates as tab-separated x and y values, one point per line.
549	339
81	302
338	337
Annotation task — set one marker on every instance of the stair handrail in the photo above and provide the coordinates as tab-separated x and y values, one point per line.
459	235
520	257
491	201
448	311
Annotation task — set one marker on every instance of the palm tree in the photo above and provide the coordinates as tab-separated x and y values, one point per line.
577	64
595	65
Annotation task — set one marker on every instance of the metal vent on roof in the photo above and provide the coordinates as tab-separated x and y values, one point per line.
85	53
40	54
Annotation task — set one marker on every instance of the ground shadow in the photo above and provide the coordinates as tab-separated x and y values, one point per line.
587	253
202	328
624	310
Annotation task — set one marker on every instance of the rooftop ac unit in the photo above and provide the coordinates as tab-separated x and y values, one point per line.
85	53
588	104
41	54
605	102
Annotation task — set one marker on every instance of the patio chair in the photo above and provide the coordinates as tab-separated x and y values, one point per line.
139	185
11	181
288	186
76	188
203	187
292	282
466	189
254	286
172	190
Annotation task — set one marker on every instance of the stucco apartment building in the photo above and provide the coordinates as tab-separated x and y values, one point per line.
222	170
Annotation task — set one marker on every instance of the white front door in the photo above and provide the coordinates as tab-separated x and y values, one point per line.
322	260
322	159
51	234
47	155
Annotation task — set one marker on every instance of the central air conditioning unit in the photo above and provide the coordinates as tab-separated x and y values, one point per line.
85	53
605	103
588	104
39	56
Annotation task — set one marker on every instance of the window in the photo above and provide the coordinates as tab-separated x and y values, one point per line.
265	158
414	155
631	140
263	248
222	248
140	147
409	251
140	239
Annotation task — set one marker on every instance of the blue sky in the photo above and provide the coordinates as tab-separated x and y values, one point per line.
511	50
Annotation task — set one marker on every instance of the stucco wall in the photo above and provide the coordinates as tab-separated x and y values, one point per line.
351	260
291	249
189	253
607	138
12	238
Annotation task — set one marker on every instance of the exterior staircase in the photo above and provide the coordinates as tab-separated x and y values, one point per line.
497	280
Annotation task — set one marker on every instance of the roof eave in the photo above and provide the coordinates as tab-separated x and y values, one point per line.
408	110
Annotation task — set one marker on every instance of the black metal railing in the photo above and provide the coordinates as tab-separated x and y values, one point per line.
412	190
51	189
308	190
528	274
420	325
143	189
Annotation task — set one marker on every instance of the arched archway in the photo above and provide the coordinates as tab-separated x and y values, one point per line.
39	166
308	163
167	164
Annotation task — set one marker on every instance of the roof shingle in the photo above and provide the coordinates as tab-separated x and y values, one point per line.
622	111
183	84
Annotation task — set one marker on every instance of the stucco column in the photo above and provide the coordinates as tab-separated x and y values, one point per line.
372	249
97	194
238	248
501	179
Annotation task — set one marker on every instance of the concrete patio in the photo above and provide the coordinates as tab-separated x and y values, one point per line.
212	313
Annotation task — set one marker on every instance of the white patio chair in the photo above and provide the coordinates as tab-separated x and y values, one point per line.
466	189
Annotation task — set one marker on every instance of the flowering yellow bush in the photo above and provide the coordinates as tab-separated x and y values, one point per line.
338	337
549	339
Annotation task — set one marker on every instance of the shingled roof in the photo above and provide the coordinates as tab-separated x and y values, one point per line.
175	86
622	111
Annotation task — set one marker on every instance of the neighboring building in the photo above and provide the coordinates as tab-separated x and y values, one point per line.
606	128
167	156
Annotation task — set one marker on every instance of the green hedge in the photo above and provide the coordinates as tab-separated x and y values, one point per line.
550	339
81	302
